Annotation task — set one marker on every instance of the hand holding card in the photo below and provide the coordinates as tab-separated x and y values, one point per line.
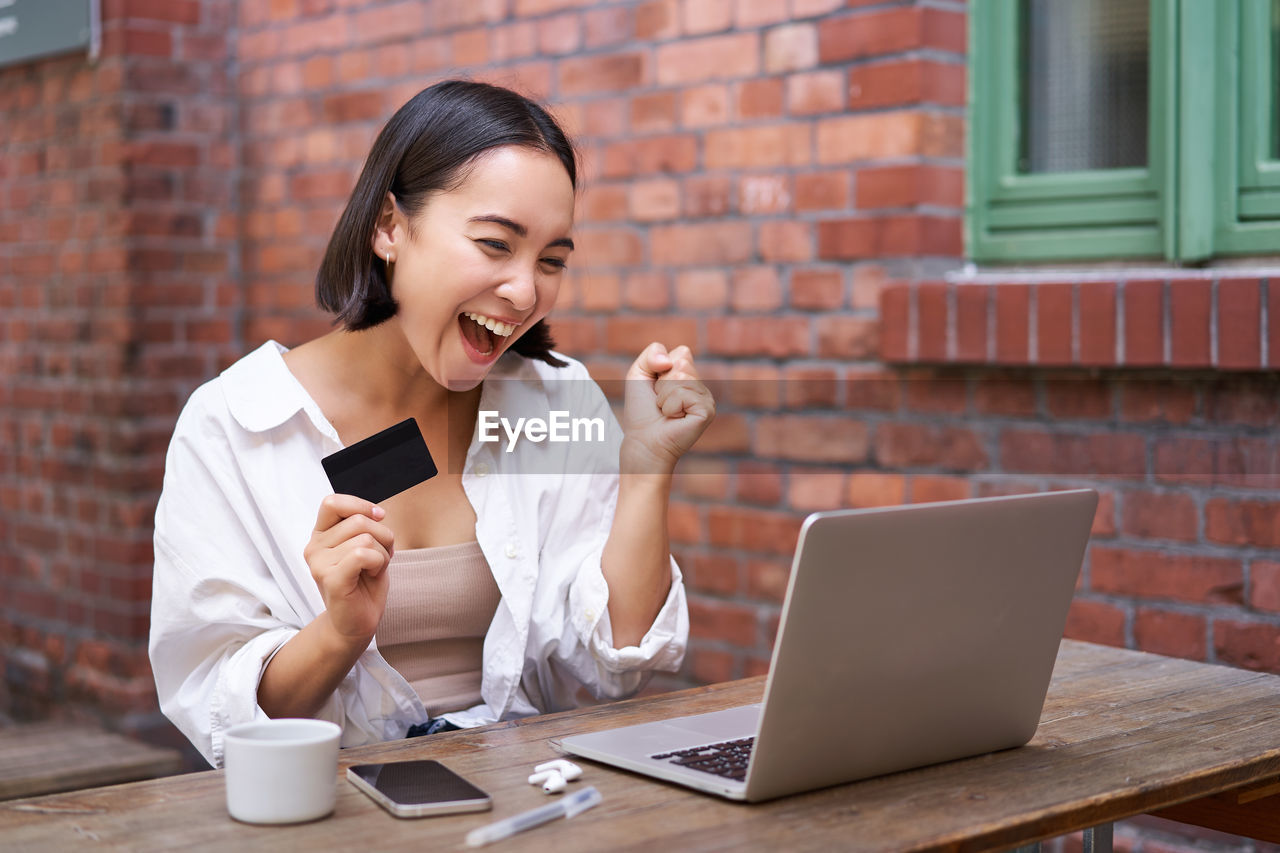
382	465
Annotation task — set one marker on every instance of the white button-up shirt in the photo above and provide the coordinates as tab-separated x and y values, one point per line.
242	486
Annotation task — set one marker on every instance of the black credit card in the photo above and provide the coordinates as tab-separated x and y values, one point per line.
382	465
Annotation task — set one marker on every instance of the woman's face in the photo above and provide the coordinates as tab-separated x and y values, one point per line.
484	262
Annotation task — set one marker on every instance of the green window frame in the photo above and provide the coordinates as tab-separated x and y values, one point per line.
1211	58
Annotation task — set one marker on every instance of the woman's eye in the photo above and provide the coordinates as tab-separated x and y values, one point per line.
556	264
497	245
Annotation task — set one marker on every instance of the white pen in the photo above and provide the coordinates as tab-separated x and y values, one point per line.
568	806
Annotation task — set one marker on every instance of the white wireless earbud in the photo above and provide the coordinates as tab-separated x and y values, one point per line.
551	781
567	769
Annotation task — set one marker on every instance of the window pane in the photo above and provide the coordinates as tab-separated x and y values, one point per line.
1085	77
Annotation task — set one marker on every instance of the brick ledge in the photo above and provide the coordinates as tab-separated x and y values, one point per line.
1224	323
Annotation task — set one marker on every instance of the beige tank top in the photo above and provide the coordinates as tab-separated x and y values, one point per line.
439	606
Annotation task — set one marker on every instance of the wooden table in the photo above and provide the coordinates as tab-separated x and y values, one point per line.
1122	733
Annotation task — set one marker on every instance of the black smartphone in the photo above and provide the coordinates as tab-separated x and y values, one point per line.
418	788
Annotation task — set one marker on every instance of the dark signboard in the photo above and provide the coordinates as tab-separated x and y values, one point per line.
35	28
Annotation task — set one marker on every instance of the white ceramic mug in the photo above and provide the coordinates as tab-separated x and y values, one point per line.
281	771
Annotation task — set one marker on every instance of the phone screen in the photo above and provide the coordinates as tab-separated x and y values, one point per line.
418	787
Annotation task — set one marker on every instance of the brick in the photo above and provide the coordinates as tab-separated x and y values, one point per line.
169	11
888	236
606	27
757	147
756	289
931	321
768	578
1244	522
814	490
872	489
817	289
657	20
1097	329
828	190
607	247
773	337
650	155
691	244
803	438
1054	323
1105	454
929	488
753	529
878	136
1006	396
629	335
811	388
647	291
711	666
724	57
1077	398
704	106
1012	309
789	48
1159	515
714	573
872	388
815	92
615	72
759	13
1143	323
1095	622
702	289
1168	401
759	483
1190	309
1160	575
972	301
707	16
1273	322
1239	324
655	200
895	322
1243	400
702	477
1249	645
1171	633
1264	586
716	620
707	196
908	445
654	111
868	34
759	99
908	186
848	338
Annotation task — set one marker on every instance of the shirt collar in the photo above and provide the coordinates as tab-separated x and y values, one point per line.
262	393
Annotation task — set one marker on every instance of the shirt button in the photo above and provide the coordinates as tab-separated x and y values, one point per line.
511	550
481	469
589	613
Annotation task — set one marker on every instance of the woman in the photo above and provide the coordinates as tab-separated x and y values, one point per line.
526	576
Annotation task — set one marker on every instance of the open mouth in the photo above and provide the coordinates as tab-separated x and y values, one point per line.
483	332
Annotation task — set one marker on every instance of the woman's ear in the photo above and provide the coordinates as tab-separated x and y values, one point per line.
385	232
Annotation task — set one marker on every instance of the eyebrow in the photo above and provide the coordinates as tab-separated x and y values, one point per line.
519	229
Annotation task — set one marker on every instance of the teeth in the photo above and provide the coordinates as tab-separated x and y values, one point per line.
498	328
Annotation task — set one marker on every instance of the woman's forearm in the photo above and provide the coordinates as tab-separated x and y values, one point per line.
306	670
637	556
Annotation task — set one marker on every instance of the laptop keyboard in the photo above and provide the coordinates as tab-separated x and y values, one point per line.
728	759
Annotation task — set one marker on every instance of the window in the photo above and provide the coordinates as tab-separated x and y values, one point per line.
1123	129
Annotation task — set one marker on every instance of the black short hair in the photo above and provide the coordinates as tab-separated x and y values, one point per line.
424	148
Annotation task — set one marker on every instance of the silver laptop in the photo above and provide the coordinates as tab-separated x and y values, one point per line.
909	636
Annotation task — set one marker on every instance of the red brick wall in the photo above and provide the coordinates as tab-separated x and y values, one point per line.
758	172
118	293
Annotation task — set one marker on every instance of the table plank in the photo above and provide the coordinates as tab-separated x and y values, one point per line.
1122	733
45	758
